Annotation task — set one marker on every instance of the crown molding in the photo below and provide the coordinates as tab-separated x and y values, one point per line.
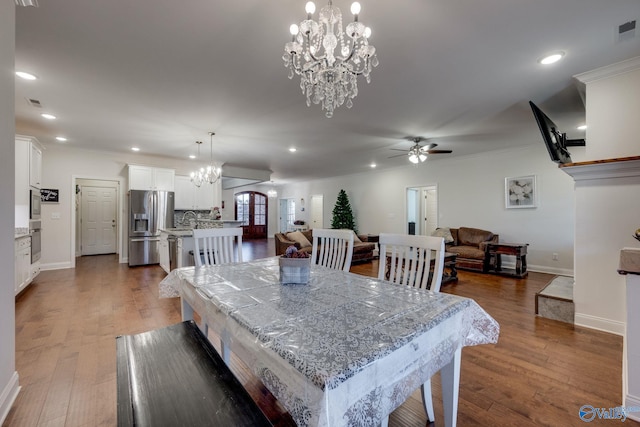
609	71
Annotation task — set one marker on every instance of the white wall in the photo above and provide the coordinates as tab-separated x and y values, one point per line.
470	193
61	165
8	374
607	210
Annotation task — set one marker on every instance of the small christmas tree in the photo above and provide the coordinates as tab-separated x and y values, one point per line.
342	214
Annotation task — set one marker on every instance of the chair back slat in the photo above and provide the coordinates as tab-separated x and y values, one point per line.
407	260
332	248
217	246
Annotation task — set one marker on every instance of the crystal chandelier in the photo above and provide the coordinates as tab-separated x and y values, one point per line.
417	154
327	78
211	173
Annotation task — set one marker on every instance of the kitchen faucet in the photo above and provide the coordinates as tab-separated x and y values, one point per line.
184	217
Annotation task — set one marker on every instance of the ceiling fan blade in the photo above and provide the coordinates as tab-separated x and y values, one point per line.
398	149
439	151
397	155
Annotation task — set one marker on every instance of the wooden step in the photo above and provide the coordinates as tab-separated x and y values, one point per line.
555	301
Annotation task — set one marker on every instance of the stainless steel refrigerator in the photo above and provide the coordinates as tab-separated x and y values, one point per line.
149	212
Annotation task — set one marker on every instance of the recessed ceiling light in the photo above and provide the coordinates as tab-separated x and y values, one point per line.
551	58
61	138
582	127
373	165
25	75
48	116
192	156
293	149
135	149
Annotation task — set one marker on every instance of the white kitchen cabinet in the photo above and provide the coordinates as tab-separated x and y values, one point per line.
184	193
149	178
35	166
22	259
23	147
190	197
164	252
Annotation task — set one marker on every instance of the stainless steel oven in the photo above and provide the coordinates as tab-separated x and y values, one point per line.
36	243
34	204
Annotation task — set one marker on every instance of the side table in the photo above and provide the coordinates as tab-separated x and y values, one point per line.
374	238
494	261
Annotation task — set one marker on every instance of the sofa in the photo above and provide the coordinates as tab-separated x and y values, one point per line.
303	240
470	244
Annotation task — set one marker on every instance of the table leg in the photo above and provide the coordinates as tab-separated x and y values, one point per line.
450	377
187	310
187	314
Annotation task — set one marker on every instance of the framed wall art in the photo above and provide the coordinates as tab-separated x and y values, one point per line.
520	192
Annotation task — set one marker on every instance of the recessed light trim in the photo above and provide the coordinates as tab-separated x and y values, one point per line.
551	58
293	149
192	156
48	116
26	76
61	139
582	127
373	165
135	149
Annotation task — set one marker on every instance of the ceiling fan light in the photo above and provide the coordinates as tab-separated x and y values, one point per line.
422	157
413	158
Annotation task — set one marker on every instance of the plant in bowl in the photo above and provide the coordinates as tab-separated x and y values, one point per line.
293	252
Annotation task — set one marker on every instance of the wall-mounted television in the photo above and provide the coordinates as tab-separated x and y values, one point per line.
555	141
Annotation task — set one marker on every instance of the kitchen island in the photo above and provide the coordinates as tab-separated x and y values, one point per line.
176	243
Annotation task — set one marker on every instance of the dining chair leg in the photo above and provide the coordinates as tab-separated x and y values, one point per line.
450	378
427	400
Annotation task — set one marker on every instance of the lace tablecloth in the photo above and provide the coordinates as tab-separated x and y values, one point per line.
344	349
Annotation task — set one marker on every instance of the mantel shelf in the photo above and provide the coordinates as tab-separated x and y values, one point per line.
602	169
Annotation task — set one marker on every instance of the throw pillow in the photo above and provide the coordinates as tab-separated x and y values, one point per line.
356	239
443	232
298	237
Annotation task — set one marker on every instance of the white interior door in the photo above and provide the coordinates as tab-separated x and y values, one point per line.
430	209
98	220
282	224
422	210
317	206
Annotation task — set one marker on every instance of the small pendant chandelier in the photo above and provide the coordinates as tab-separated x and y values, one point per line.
211	173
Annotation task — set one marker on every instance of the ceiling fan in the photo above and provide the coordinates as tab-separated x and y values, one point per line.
418	153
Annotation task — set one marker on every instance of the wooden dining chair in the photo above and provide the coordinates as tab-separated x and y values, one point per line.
332	248
217	246
413	261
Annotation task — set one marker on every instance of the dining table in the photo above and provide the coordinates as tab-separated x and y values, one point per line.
341	350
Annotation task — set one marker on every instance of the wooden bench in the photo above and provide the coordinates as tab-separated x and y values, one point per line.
174	377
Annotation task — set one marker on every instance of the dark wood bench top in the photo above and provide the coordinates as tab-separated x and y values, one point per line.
174	377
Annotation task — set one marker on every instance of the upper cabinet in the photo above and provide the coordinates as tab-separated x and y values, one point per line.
35	166
189	197
148	178
28	163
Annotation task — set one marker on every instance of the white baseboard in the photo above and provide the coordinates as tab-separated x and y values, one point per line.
8	396
632	402
542	269
600	324
55	266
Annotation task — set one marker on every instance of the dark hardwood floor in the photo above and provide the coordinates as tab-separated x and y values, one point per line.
539	374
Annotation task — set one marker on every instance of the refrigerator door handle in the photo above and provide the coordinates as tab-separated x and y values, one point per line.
147	239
